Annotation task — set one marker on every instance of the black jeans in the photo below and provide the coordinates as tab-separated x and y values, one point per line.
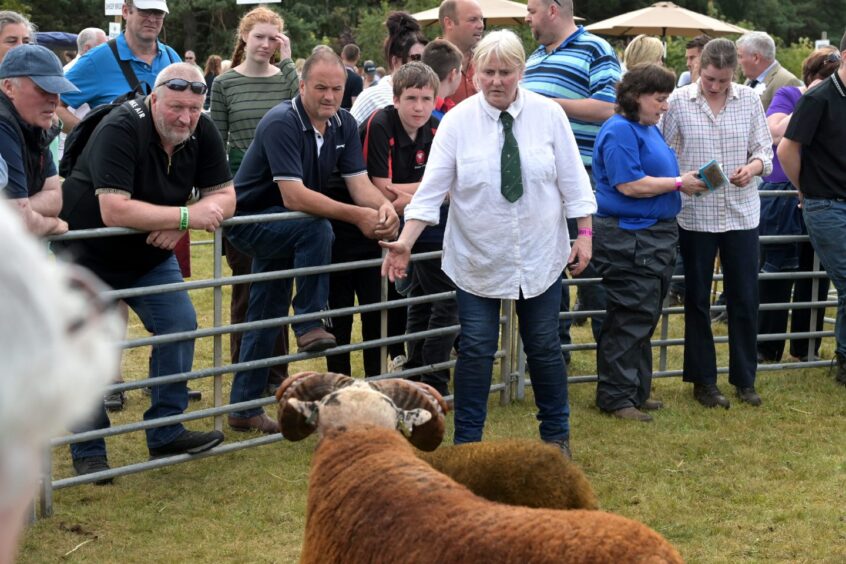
364	284
427	278
738	250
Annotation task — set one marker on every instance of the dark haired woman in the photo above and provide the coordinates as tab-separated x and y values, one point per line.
211	72
405	42
635	236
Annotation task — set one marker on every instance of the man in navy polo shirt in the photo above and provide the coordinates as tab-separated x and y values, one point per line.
99	76
297	146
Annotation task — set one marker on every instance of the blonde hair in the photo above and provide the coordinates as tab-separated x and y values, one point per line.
502	44
248	22
643	49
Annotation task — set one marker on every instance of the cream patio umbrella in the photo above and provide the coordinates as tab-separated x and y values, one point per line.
664	18
495	12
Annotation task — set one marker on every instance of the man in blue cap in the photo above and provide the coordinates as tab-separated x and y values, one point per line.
31	80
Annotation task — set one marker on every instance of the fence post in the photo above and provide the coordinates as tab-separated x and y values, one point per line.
218	321
383	321
812	318
506	366
47	483
665	332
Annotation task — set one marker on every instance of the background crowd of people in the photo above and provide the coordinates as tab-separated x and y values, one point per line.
522	169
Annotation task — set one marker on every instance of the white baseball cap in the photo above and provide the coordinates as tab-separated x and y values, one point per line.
152	5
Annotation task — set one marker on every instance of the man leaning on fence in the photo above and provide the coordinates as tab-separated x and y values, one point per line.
298	144
31	80
811	154
138	170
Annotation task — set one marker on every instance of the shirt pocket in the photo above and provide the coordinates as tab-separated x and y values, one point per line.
473	172
540	164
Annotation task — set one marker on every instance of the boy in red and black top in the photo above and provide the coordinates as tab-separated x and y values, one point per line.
396	142
414	100
445	59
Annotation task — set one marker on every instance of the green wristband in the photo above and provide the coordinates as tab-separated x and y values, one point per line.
183	218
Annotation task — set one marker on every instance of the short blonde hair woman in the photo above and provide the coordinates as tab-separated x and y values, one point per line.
643	49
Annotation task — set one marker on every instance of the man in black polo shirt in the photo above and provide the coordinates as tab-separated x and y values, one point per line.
811	154
138	170
297	146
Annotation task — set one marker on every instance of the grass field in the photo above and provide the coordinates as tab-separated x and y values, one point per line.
742	485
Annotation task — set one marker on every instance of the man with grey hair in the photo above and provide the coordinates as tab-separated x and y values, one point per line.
86	40
462	24
31	80
756	55
297	146
138	170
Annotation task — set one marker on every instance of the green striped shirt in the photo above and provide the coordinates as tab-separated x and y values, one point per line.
239	102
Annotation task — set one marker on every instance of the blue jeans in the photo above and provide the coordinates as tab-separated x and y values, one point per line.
274	246
826	224
161	314
479	319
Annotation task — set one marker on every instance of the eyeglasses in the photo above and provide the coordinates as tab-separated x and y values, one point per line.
180	85
151	14
557	2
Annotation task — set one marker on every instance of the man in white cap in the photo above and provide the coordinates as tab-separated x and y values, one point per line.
31	80
116	67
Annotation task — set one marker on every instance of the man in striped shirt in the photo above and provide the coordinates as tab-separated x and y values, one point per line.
579	71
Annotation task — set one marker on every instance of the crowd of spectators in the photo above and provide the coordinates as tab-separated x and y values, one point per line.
522	169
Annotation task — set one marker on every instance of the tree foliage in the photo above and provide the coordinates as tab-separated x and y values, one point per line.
209	26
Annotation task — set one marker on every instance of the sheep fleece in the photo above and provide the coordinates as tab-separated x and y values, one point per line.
516	472
371	499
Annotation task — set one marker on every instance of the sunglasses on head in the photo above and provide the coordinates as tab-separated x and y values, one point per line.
417	57
833	57
180	85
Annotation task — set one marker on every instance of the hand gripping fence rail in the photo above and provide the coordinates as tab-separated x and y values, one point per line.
512	379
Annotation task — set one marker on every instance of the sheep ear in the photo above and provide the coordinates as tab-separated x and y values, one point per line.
409	419
308	409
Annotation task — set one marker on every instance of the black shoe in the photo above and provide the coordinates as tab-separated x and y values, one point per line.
114	401
564	446
710	395
748	395
189	442
91	464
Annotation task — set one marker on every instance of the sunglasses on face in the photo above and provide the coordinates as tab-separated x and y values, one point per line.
151	14
180	85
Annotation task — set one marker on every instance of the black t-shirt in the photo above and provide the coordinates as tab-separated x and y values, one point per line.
389	153
818	124
352	88
110	163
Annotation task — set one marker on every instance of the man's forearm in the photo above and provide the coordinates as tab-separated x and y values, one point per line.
48	201
594	111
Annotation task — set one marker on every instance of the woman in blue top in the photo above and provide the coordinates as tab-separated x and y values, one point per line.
634	245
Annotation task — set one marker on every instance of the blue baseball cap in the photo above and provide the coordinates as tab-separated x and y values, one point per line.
40	65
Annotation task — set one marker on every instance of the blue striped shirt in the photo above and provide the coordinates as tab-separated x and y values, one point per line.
583	66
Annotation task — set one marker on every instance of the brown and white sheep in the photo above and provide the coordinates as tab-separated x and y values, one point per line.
371	499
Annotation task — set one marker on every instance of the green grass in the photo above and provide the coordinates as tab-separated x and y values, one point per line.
743	485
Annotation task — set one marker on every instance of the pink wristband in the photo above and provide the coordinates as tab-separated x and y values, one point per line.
586	232
678	183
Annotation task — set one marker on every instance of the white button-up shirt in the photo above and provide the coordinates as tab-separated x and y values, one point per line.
493	248
733	138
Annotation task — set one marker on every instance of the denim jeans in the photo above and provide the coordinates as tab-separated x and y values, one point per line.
826	223
161	314
738	251
278	245
479	319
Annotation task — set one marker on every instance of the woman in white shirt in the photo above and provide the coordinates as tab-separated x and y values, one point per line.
506	236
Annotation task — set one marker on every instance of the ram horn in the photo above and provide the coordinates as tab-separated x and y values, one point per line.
411	395
305	386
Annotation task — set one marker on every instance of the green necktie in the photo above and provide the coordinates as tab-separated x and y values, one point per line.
511	179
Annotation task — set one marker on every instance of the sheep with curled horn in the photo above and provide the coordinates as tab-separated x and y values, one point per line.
371	499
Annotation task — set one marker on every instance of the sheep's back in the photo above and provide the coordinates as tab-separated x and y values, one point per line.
372	500
516	472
